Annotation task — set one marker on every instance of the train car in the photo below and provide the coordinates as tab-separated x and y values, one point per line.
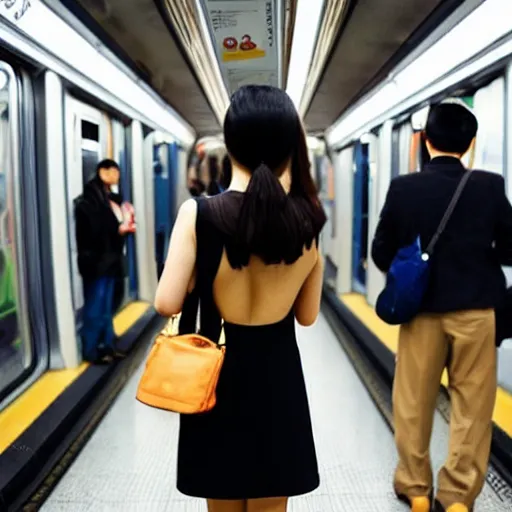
378	138
65	104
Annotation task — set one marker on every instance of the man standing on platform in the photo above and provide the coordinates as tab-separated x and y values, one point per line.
455	328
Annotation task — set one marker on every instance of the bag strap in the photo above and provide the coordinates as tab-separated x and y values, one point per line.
448	212
209	253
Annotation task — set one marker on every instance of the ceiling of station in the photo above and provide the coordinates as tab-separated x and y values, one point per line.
370	35
140	29
164	41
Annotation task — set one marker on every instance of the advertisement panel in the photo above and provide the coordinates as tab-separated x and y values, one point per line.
245	37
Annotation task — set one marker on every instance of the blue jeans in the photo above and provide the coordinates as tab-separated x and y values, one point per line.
98	322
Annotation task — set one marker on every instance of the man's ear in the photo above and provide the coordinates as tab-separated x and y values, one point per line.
427	144
471	146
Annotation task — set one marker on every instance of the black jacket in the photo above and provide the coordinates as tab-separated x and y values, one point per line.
466	265
99	244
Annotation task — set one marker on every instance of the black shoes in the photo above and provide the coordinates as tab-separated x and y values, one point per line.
107	356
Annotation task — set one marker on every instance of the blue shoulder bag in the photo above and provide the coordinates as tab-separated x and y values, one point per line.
407	278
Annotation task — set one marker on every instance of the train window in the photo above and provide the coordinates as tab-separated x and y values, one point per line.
91	149
489	108
395	153
16	351
401	141
360	217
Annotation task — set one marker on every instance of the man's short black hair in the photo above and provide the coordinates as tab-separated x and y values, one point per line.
451	127
107	164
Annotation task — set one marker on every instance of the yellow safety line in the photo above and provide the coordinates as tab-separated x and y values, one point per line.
128	316
19	415
388	335
16	418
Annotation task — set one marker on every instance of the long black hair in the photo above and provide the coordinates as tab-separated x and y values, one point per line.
264	135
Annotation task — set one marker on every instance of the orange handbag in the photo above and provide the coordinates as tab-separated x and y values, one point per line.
181	372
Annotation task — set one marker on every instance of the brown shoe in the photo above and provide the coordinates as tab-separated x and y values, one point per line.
420	504
457	507
417	504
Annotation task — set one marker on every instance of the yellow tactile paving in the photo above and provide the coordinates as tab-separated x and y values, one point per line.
389	336
16	418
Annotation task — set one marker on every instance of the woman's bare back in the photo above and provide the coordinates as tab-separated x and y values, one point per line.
260	294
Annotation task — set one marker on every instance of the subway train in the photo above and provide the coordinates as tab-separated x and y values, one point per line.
379	138
64	106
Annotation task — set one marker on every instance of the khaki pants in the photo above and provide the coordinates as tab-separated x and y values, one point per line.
464	343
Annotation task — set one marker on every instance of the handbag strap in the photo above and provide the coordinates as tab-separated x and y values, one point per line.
210	247
448	212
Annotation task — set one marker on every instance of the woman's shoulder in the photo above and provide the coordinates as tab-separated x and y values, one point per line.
222	209
187	214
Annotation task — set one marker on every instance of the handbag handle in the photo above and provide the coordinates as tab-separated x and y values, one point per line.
448	212
172	326
172	329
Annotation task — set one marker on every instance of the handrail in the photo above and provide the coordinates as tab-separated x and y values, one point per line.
335	12
289	26
187	20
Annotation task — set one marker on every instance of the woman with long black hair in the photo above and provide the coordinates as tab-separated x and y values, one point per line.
251	254
101	222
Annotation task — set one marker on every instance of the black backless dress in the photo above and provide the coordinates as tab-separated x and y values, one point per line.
257	442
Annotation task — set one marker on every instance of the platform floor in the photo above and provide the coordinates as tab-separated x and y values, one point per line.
129	463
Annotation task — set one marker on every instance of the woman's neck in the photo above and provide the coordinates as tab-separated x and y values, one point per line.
241	178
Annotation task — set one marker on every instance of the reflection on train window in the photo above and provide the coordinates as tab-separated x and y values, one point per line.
489	108
15	356
401	140
90	149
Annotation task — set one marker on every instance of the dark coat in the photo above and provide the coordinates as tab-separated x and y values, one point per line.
100	246
466	265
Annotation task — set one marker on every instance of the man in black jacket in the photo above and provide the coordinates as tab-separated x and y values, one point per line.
456	326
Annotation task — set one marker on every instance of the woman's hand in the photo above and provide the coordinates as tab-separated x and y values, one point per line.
125	229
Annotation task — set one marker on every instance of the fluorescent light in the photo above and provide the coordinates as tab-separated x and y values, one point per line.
222	101
485	25
307	20
54	35
357	118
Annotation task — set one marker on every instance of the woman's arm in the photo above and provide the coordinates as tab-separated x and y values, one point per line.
180	263
307	303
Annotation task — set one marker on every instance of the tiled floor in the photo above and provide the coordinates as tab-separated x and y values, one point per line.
129	464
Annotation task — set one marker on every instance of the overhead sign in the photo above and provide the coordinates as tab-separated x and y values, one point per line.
245	36
14	10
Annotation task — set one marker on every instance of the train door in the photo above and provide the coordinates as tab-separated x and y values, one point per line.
85	133
121	156
161	193
23	349
165	170
360	218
